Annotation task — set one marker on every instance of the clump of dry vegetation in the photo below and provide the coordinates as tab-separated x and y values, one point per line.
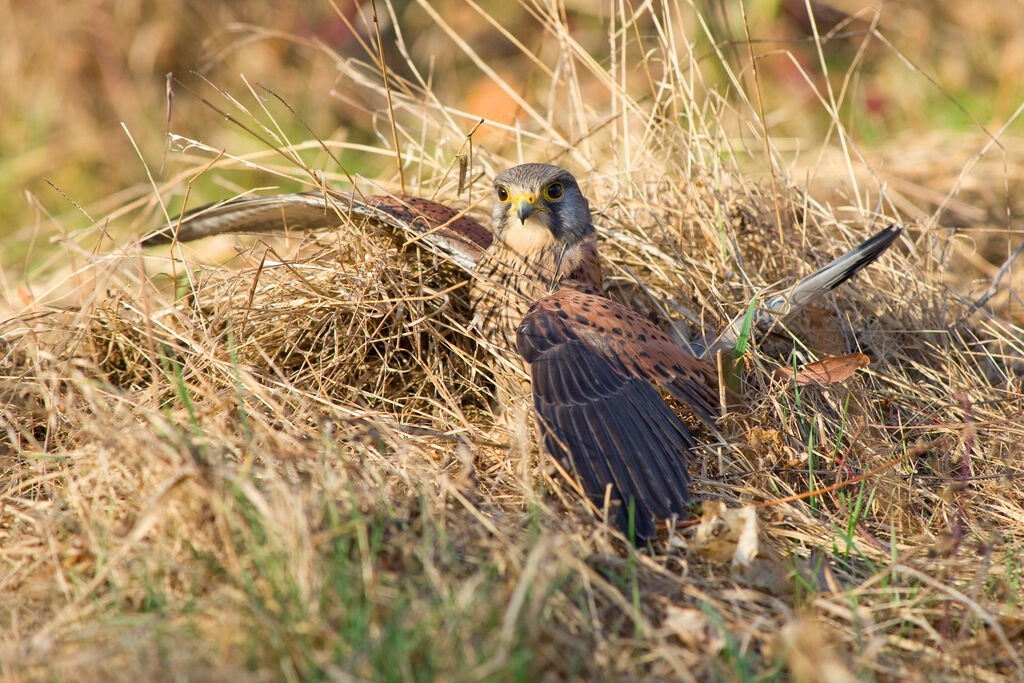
278	458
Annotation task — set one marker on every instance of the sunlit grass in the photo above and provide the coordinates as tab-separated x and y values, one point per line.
277	457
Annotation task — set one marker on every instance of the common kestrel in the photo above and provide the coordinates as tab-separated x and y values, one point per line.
539	303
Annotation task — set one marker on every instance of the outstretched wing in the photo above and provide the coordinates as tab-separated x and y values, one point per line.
783	306
592	362
437	227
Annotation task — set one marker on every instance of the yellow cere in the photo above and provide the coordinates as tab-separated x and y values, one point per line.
530	198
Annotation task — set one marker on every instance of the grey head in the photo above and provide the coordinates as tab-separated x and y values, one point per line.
541	195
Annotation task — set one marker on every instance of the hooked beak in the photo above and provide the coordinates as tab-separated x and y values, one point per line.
525	206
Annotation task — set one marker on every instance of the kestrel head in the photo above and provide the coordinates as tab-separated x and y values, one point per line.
539	204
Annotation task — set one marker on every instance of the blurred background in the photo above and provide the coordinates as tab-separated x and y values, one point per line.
921	89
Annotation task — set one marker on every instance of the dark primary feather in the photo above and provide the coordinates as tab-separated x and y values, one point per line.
592	362
610	428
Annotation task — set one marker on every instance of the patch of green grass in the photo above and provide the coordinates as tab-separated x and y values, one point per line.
377	613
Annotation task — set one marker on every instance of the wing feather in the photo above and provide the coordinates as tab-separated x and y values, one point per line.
609	440
435	226
671	471
630	342
592	366
634	476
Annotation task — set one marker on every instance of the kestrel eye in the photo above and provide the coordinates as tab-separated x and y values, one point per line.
502	193
553	192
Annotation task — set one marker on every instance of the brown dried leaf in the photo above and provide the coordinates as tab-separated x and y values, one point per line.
733	535
825	371
718	533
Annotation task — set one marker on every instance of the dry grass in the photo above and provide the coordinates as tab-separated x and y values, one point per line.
280	462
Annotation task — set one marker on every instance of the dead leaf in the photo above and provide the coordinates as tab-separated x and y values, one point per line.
746	545
725	534
825	371
718	533
765	439
733	535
